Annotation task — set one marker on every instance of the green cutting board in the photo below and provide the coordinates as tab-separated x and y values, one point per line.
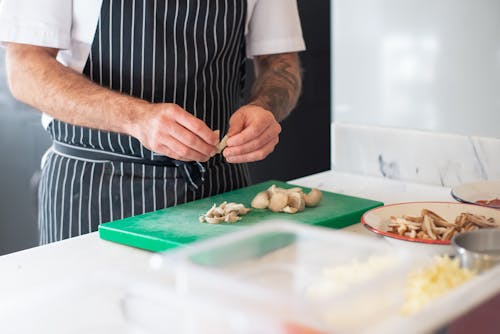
176	226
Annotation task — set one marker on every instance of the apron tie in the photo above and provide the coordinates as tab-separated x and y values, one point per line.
192	172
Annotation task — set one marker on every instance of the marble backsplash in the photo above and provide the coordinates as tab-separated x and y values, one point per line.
413	155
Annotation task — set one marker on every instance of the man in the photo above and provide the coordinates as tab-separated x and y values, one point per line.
132	91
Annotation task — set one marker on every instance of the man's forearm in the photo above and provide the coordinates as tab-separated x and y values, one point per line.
278	83
37	79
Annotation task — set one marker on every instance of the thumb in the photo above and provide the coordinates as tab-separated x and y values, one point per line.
236	124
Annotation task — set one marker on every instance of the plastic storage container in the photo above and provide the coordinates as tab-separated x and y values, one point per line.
275	277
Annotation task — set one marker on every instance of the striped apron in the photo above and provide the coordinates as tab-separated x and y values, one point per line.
188	52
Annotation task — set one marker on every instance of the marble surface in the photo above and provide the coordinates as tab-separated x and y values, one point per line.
412	155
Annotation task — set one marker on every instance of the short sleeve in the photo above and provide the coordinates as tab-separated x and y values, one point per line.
36	22
274	27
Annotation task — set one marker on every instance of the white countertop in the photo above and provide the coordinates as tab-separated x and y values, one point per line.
75	285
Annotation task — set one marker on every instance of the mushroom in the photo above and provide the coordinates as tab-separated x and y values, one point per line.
222	144
243	211
214	220
313	198
273	190
225	212
427	227
438	220
293	190
289	209
233	207
278	201
211	212
449	233
481	221
232	217
261	200
238	208
219	212
296	200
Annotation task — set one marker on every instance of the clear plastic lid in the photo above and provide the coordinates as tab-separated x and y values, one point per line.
287	278
307	276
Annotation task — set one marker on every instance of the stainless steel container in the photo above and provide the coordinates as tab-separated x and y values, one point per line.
478	250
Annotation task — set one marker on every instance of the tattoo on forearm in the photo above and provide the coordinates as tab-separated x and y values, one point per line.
278	84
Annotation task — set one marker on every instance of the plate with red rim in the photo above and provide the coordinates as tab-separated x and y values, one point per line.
478	191
377	220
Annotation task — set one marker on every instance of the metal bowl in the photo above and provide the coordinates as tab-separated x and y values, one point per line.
478	250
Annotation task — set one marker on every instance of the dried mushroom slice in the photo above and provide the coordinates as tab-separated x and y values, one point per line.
418	220
438	220
427	227
449	233
480	220
432	226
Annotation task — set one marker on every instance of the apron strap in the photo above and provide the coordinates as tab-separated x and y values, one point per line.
192	172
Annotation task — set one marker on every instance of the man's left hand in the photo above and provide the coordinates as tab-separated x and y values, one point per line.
253	134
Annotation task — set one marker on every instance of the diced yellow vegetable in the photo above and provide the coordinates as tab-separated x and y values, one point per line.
426	284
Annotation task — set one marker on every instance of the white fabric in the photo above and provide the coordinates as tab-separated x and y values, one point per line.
46	23
62	24
273	26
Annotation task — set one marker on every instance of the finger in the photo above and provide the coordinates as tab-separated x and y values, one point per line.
236	124
191	140
256	155
248	134
179	151
196	126
254	145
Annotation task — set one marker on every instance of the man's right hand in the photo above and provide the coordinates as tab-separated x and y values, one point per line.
167	129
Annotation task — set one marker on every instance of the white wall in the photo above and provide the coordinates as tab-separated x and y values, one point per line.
422	64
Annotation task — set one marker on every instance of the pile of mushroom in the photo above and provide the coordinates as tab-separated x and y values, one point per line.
291	200
225	212
429	225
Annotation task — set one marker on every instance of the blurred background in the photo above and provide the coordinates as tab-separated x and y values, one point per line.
22	143
419	64
415	64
